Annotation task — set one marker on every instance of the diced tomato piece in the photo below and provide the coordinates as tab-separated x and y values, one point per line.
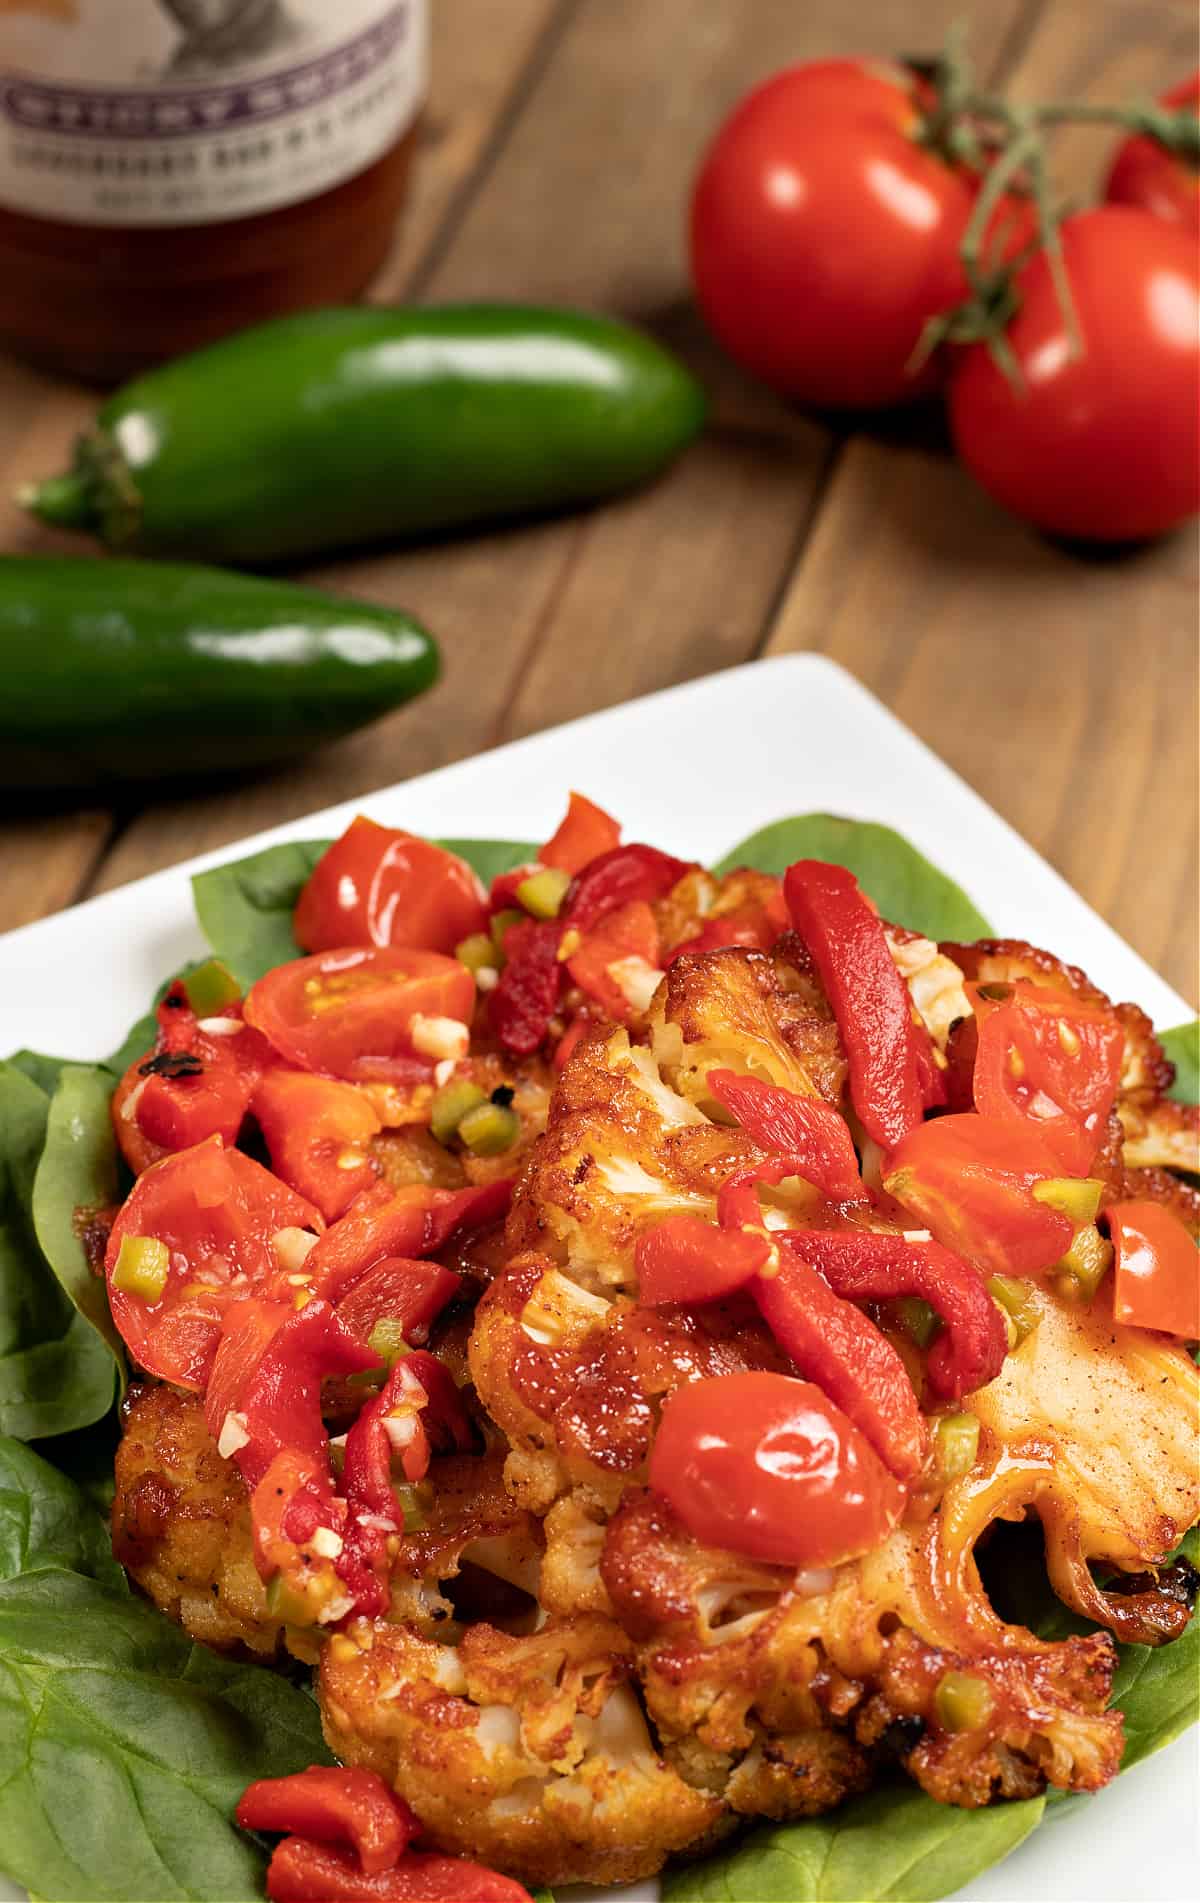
762	1464
628	933
970	1179
317	1131
380	886
305	1872
403	1290
806	1128
350	1013
1157	1277
689	1261
335	1805
1051	1060
584	834
412	1221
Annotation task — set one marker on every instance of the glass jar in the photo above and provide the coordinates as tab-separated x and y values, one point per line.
174	169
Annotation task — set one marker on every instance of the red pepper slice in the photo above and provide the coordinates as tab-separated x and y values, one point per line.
618	878
1157	1277
268	1369
837	1346
893	1078
413	1221
304	1872
532	982
805	1128
970	1179
336	1806
737	1199
1051	1060
863	1266
585	833
402	1290
629	932
687	1260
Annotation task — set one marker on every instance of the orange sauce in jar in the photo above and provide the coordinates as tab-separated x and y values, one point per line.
171	170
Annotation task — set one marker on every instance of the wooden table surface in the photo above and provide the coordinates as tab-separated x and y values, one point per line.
558	150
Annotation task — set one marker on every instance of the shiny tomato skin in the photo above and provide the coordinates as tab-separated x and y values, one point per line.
1102	446
766	1465
217	1212
377	885
1051	1060
314	1129
970	1180
823	235
1145	174
1157	1270
348	1013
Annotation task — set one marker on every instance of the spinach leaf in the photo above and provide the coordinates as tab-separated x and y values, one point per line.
905	887
245	909
55	1372
123	1747
78	1171
895	1845
42	1070
1182	1045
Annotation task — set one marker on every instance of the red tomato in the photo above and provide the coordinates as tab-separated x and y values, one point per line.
688	1260
304	1872
194	1083
1049	1060
1157	1280
1145	173
339	1806
378	886
766	1465
629	932
403	1290
824	235
349	1013
412	1221
1104	445
585	833
217	1212
317	1131
970	1179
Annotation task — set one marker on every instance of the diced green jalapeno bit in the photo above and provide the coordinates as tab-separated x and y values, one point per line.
211	988
962	1702
956	1442
490	1129
1080	1272
1075	1196
918	1318
1013	1297
283	1602
143	1265
502	923
451	1104
416	1503
476	951
542	893
386	1339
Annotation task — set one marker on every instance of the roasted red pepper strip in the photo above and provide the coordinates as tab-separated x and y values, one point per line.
737	1199
413	1221
688	1260
336	1806
618	878
1050	1060
834	1344
402	1290
893	1078
584	834
304	1872
781	1120
531	984
629	932
863	1266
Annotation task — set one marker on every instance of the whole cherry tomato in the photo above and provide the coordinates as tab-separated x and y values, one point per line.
378	886
824	233
1144	172
766	1465
1102	442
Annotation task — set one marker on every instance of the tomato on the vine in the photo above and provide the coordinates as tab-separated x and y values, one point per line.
1099	442
824	233
1145	173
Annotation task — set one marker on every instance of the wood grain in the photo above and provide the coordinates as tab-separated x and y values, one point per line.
585	204
1062	686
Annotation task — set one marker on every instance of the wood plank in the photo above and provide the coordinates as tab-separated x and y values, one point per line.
585	205
481	48
1062	686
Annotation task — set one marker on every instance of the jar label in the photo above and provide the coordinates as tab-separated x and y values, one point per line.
189	112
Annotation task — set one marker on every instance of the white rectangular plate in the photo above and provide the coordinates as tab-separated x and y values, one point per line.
694	770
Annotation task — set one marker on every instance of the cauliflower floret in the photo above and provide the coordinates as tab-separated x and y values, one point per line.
757	1012
530	1752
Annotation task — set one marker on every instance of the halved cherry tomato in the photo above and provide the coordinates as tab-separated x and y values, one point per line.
341	1805
379	886
1145	173
1157	1279
195	1083
689	1261
217	1211
584	834
1050	1060
349	1013
970	1180
305	1872
413	1221
806	1128
629	932
403	1290
762	1464
317	1130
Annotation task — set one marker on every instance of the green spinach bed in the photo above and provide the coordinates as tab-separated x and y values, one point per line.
123	1746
